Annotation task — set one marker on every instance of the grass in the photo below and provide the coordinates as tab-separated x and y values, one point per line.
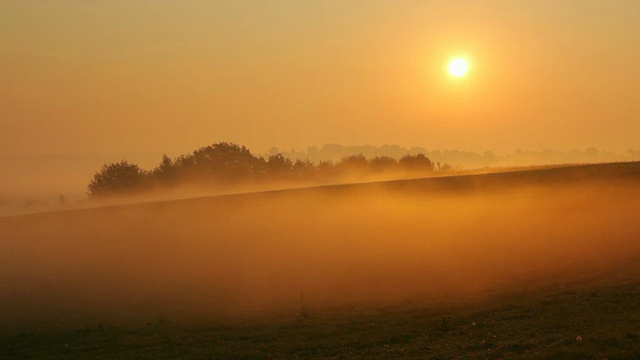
587	322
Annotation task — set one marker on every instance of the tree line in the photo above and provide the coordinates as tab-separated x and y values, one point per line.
466	159
228	164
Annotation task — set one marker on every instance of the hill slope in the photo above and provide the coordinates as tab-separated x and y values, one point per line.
449	245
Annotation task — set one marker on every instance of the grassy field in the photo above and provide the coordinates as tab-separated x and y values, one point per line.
541	264
580	322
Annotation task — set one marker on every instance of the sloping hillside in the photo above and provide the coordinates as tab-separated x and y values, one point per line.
439	243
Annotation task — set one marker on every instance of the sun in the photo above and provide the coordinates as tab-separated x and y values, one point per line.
458	67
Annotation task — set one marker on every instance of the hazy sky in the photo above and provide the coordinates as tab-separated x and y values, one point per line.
90	76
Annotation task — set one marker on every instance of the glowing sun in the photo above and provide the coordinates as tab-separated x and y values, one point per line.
458	67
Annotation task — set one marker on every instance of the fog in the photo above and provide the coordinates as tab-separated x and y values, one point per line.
432	243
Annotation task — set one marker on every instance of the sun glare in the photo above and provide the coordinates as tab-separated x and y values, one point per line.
458	67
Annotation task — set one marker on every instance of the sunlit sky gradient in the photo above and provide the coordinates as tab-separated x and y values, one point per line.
88	76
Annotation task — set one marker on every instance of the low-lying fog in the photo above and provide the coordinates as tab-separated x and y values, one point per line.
243	255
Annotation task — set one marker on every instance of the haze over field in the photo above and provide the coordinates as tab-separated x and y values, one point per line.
84	83
70	174
433	242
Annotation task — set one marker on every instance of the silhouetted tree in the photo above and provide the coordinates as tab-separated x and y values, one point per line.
230	163
354	163
416	163
166	172
303	169
383	163
444	167
226	162
325	170
325	165
116	179
278	166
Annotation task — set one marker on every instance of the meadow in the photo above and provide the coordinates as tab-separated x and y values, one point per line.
522	264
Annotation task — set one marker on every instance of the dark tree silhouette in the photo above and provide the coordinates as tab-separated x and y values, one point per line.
116	179
226	162
354	163
185	166
416	163
166	173
303	169
383	163
278	167
325	170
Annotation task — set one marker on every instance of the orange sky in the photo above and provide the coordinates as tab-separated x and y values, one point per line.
116	76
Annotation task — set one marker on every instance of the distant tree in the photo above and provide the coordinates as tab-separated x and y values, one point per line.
416	163
444	167
383	163
278	166
489	155
303	169
184	162
325	165
354	163
165	172
230	163
116	179
226	162
325	170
